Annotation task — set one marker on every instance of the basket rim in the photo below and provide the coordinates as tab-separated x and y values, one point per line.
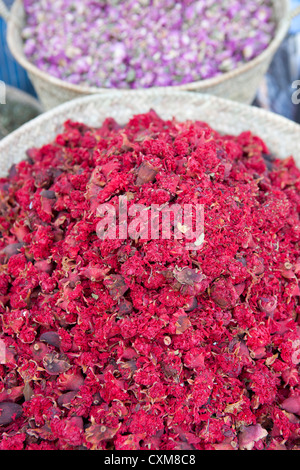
25	97
202	98
12	30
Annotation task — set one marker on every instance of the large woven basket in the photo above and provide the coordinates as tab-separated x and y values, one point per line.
281	135
240	84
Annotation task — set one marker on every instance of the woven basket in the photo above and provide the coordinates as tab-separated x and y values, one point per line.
281	135
240	84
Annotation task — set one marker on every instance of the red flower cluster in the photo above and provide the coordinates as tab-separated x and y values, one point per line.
141	343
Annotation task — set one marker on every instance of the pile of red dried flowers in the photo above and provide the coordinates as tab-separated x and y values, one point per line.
142	344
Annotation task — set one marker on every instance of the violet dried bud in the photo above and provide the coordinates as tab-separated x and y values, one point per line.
48	194
55	363
12	249
189	276
9	411
51	337
125	307
66	398
191	305
116	285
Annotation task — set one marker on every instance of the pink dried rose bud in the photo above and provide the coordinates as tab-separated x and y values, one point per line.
268	304
250	435
292	404
146	173
70	380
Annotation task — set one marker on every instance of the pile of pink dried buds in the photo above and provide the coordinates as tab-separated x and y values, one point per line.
144	43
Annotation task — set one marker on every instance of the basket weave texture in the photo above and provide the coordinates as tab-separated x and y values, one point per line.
280	134
239	85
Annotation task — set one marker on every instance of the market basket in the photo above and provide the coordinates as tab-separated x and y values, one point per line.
240	85
228	117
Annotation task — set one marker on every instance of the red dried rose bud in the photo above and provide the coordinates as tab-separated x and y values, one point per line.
194	358
223	293
240	288
146	173
20	231
39	350
12	394
9	411
32	153
287	271
290	377
95	273
125	252
129	441
258	353
258	266
27	334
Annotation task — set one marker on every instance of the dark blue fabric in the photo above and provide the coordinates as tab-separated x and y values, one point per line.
10	71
